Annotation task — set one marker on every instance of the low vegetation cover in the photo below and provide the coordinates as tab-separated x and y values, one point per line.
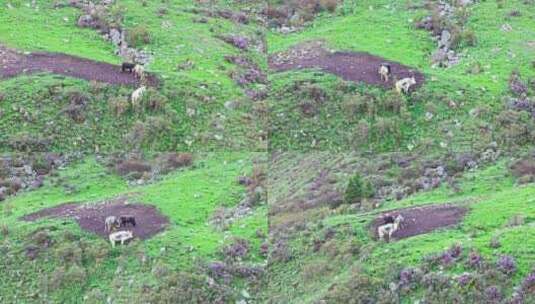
211	77
464	239
209	249
279	151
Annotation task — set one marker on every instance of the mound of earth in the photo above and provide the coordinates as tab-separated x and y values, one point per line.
351	66
420	220
13	63
91	217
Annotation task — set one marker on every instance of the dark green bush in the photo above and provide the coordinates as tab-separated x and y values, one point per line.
357	189
138	36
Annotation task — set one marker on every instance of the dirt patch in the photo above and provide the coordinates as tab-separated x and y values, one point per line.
91	217
351	66
420	220
13	63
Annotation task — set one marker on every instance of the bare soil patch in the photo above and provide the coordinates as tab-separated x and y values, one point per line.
13	63
351	66
91	217
420	220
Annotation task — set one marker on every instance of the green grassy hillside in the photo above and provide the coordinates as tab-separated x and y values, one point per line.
325	253
349	116
208	108
75	265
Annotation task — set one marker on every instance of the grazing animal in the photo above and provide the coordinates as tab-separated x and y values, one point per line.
389	228
110	223
120	236
388	219
385	71
137	95
127	67
405	84
127	219
139	72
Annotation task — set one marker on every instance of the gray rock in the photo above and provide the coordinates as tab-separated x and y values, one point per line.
445	40
465	2
115	37
232	105
87	21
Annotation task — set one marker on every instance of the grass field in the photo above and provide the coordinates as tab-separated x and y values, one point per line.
386	29
189	198
264	213
313	275
175	39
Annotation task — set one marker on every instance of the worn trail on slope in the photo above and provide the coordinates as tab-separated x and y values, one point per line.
13	63
351	66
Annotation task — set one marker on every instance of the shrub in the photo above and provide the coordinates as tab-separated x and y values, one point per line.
160	270
118	105
409	277
42	238
76	275
315	270
357	189
352	105
494	242
362	132
238	249
57	278
469	38
393	102
528	284
138	36
493	294
514	13
154	100
506	264
516	85
25	141
116	15
264	249
8	209
239	42
280	252
465	279
329	5
475	68
523	167
359	289
162	11
308	108
132	168
69	253
314	92
95	296
219	270
475	260
171	161
455	251
4	230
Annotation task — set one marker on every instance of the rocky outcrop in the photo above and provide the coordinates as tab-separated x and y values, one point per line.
18	173
441	23
96	15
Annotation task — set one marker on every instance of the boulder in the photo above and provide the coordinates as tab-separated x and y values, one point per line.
87	21
115	37
445	40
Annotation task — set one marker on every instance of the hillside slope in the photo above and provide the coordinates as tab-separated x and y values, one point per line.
214	232
321	252
313	109
207	97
